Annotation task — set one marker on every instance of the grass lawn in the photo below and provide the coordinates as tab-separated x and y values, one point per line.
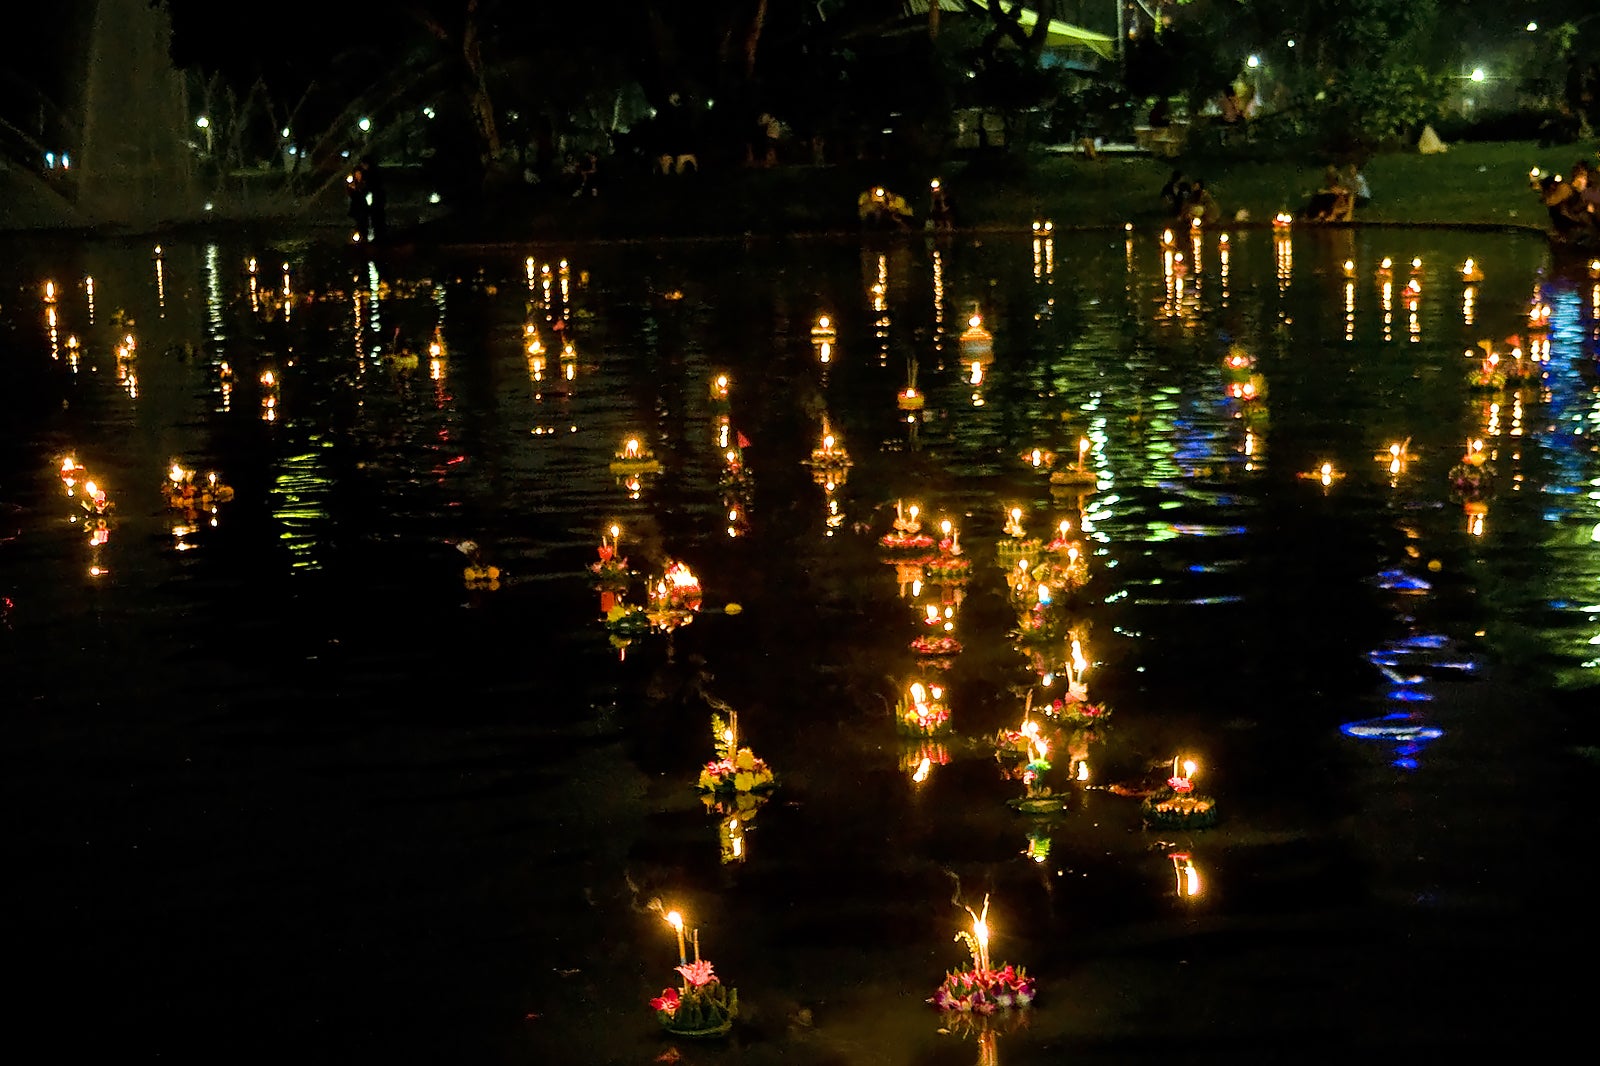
1478	184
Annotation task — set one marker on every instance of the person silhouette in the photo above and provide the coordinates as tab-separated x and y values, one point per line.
356	188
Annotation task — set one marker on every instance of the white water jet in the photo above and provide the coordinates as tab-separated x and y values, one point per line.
135	166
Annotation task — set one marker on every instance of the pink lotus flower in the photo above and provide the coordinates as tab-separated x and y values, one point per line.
666	1003
698	973
606	552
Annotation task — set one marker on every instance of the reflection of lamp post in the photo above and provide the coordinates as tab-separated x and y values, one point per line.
203	123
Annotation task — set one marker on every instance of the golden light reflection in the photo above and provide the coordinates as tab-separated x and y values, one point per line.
1187	875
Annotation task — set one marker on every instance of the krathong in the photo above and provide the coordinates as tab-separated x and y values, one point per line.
922	711
735	769
829	461
1037	797
1472	478
477	575
633	458
611	572
1177	805
907	535
701	1006
677	591
185	493
976	343
982	988
1078	474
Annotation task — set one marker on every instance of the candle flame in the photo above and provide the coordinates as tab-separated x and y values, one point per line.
675	920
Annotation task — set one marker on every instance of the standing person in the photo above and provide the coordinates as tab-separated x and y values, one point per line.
356	188
372	179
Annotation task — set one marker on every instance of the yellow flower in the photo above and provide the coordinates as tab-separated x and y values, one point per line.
744	782
706	780
746	759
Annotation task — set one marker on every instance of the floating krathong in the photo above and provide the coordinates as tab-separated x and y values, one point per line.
1472	478
1488	375
1019	546
1397	457
478	575
701	1006
611	572
1539	315
1282	221
981	988
823	338
719	388
634	459
976	343
1325	472
185	493
922	711
677	590
1028	741
1471	273
1178	805
907	534
735	769
829	462
1078	475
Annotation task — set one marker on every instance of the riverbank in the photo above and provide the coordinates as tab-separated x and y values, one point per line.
1470	185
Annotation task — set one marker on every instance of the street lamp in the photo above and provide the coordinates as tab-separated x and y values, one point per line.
1253	62
1478	74
204	124
365	124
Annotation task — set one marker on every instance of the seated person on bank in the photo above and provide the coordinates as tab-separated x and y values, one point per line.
1572	212
1175	194
879	208
1201	206
1334	202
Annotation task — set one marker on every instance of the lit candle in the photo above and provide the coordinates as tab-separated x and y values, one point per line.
697	945
675	920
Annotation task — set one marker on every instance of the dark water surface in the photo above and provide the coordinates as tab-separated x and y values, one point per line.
282	787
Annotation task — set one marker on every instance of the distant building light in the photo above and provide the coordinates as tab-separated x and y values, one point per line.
50	160
1533	27
209	205
66	161
1291	42
345	154
434	198
429	112
284	132
294	150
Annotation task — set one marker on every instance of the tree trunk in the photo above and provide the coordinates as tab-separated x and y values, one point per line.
478	87
752	38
